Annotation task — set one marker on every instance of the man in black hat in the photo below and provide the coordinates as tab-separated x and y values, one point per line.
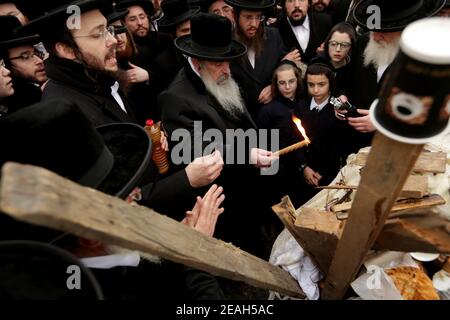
302	29
82	58
265	47
25	62
374	53
205	91
219	7
9	8
177	23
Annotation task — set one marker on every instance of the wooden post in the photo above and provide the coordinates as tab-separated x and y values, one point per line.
388	166
41	197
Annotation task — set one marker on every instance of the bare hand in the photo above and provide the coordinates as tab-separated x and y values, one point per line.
321	49
266	95
362	124
203	217
261	158
293	56
311	177
164	142
341	114
204	170
136	74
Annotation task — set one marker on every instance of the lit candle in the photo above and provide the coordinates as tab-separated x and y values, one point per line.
297	145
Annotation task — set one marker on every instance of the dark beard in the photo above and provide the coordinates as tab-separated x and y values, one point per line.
256	43
296	23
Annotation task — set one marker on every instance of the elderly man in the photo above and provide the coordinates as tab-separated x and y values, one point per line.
219	7
204	91
25	63
373	55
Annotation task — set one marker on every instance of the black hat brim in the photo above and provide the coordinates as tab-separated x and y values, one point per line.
131	148
184	44
47	23
429	8
24	41
170	22
249	5
146	5
117	15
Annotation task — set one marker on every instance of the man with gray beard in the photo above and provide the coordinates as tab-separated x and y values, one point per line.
205	91
373	55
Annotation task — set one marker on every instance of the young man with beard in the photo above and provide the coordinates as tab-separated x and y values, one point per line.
82	59
205	91
253	72
302	29
373	55
25	63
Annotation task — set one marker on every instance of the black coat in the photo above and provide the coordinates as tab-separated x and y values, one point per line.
320	26
168	63
252	81
68	80
185	101
25	94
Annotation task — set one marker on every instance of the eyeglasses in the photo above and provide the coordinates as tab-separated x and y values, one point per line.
30	55
119	29
344	45
103	34
283	83
248	17
222	11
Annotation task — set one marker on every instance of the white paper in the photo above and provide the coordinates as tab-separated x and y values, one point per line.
129	259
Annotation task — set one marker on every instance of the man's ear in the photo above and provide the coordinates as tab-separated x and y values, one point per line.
65	51
196	63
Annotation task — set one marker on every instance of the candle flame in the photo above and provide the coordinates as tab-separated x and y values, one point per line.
298	123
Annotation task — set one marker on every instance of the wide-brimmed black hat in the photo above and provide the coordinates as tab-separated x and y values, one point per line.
31	270
210	39
251	4
56	135
176	12
53	15
8	38
147	5
395	15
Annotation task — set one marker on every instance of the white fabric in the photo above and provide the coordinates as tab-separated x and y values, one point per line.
302	33
380	72
116	96
251	57
314	104
128	259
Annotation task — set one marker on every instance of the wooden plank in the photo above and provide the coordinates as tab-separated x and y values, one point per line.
416	186
400	205
434	162
38	196
388	166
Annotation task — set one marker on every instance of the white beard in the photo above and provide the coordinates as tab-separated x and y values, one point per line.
380	55
226	93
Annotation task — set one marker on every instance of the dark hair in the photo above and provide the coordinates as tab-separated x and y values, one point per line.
341	27
322	69
284	66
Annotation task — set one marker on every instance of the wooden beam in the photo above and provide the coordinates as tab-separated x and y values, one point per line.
400	205
388	166
434	162
38	196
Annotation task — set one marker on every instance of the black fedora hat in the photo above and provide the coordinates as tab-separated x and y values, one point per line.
31	270
210	39
251	4
53	15
56	135
396	15
147	5
176	12
8	38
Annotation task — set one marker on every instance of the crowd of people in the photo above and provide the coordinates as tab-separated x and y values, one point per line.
104	70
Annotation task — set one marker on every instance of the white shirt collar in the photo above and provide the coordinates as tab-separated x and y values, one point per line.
314	105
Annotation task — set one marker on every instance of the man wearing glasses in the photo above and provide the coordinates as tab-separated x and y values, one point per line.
82	58
219	7
24	61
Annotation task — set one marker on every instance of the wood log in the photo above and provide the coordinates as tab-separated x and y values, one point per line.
388	166
434	162
400	205
416	186
40	197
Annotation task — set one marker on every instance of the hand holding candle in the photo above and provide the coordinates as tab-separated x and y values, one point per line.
297	145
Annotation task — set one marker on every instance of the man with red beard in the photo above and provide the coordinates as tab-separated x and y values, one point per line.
253	72
82	58
373	55
25	62
302	29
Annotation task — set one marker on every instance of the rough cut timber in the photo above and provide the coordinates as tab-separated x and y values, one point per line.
38	196
434	162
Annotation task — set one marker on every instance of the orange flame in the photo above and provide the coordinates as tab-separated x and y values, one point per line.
298	123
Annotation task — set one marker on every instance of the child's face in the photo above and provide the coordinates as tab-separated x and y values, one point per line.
287	83
339	46
318	87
